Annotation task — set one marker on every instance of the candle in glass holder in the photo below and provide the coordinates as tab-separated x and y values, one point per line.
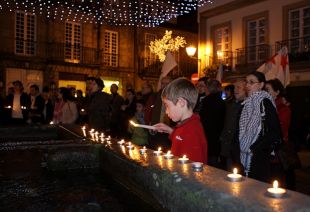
197	166
275	191
234	177
143	150
130	146
168	155
158	152
183	159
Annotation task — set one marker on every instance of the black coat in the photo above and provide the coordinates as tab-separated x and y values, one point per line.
24	102
212	116
263	146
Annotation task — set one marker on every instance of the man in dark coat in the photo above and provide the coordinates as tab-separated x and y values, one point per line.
37	105
17	105
116	102
212	115
230	150
98	106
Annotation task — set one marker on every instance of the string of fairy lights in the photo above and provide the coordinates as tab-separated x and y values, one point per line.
145	13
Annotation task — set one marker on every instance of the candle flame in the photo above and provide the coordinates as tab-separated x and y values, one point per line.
144	147
275	184
184	157
235	171
133	123
92	130
51	122
159	149
83	128
168	153
129	143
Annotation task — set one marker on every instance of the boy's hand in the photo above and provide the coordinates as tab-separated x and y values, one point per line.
161	127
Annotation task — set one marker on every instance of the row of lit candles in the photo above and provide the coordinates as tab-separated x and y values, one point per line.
275	191
21	107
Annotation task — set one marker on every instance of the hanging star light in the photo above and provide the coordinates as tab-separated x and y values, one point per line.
167	43
146	13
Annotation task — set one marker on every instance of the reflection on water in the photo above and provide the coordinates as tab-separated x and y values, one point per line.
67	192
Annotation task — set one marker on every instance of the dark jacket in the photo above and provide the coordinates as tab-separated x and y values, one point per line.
262	147
36	114
98	109
212	116
24	102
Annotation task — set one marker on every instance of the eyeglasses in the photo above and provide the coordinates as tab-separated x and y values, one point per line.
250	82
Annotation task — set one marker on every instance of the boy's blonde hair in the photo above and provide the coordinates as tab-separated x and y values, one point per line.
183	88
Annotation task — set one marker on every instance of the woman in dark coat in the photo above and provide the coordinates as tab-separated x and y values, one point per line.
259	129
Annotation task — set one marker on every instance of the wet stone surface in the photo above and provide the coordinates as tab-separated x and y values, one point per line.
73	191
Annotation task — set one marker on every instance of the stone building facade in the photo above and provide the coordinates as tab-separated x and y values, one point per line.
40	51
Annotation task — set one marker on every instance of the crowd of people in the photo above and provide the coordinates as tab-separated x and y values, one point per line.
243	130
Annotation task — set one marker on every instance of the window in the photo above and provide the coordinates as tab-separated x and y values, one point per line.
25	33
72	42
256	39
150	58
222	43
299	29
110	57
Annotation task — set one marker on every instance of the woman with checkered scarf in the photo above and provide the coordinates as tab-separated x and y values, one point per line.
259	129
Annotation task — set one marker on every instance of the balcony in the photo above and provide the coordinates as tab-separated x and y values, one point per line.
299	51
57	53
252	57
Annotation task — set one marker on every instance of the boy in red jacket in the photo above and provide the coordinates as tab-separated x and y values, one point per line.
188	138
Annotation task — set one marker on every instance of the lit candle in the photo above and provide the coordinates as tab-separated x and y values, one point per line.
143	150
142	125
84	131
183	159
121	142
96	135
130	146
276	191
234	177
82	110
168	155
8	107
108	142
101	135
197	166
158	152
51	123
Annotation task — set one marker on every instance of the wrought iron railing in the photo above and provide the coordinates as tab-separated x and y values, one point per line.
257	54
59	52
298	49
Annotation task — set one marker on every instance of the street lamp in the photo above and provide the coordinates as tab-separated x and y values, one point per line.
191	50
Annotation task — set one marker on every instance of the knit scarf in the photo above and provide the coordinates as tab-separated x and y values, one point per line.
250	125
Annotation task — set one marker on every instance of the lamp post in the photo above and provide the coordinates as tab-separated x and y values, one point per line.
191	51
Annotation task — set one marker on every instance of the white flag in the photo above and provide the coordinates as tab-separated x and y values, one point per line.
219	74
168	64
277	67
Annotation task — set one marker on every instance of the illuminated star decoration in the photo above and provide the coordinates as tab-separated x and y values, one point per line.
145	13
167	43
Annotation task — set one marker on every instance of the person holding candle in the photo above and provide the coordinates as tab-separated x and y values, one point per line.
259	128
17	104
139	135
188	138
65	111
